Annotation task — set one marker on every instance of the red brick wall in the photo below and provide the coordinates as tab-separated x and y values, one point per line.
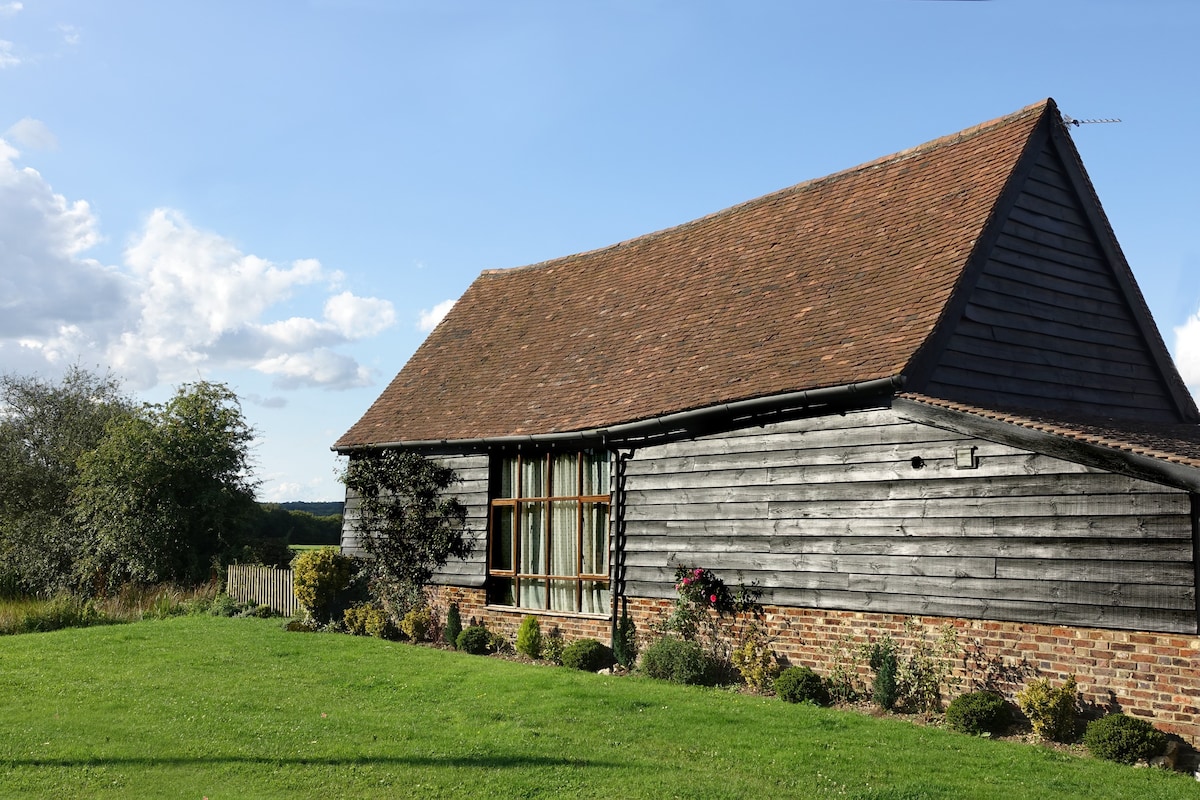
1150	675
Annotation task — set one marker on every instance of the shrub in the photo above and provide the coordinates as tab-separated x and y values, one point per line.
322	581
475	640
453	625
355	619
380	625
625	648
224	606
678	661
801	684
553	645
925	667
498	644
1051	710
1124	739
587	654
978	712
756	662
416	623
884	690
529	637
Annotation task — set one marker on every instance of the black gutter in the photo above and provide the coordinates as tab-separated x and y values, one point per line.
670	424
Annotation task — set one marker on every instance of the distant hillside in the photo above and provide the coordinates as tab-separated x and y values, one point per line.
329	509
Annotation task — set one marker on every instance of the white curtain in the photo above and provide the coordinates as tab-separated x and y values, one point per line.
533	554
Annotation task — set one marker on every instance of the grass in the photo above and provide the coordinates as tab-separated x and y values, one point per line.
215	707
134	603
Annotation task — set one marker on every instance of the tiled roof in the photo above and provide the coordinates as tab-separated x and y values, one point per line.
829	282
1177	443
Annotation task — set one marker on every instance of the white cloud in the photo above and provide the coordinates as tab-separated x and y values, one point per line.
1187	352
33	134
8	9
430	318
71	34
7	59
184	303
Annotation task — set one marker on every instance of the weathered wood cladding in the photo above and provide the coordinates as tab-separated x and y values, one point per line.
1047	325
834	512
472	492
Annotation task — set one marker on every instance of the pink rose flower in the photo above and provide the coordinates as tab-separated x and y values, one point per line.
712	599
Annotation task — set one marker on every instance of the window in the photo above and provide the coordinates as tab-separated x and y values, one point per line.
548	546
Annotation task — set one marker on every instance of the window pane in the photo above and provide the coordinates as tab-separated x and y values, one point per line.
565	480
564	546
533	538
562	596
533	592
595	598
595	539
533	476
502	537
595	473
508	478
501	592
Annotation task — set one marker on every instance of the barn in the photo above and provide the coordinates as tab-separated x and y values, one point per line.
927	386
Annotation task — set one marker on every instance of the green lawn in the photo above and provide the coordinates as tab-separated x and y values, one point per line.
237	708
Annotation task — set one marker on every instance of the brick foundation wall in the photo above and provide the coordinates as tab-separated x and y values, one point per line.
1149	675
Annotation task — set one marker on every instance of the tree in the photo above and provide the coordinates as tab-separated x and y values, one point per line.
406	525
167	492
45	427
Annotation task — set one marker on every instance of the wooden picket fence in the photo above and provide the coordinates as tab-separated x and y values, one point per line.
254	583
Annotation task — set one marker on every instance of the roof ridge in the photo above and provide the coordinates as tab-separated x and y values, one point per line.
942	141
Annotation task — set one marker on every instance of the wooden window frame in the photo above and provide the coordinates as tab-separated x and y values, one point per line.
547	502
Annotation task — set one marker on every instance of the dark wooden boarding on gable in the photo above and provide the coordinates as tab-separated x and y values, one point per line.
925	385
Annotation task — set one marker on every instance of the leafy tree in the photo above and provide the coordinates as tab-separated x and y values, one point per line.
167	491
406	525
45	427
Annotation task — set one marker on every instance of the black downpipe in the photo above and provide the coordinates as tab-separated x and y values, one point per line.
1196	556
617	567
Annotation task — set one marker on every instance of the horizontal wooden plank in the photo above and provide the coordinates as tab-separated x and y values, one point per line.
1019	393
1061	226
970	346
997	330
899	530
1047	326
1061	206
1130	505
781	565
1026	267
1014	610
1052	243
1049	257
1171	558
1063	294
1078	375
949	485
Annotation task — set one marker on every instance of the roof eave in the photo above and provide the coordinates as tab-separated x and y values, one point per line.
668	426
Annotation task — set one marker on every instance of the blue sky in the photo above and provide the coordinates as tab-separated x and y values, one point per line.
280	195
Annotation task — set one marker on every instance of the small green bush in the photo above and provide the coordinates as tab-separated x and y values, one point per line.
474	639
380	625
587	654
453	625
529	637
978	712
553	646
224	606
1051	710
756	663
678	661
417	623
625	647
801	684
497	643
884	690
1124	739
